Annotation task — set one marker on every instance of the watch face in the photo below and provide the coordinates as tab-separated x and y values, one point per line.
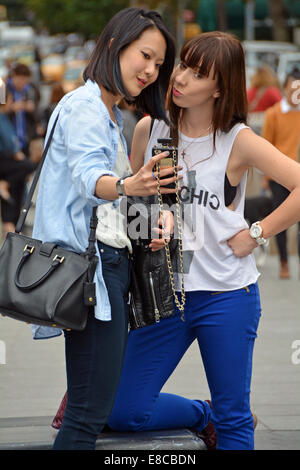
119	188
255	231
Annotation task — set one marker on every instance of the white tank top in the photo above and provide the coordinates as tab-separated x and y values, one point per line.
209	263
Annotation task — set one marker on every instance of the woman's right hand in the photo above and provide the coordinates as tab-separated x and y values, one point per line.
144	182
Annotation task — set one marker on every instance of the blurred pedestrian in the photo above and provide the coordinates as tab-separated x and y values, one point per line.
57	93
20	107
263	93
282	129
4	190
87	165
21	104
14	169
220	297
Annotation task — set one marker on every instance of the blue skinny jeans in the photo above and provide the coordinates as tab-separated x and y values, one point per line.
225	326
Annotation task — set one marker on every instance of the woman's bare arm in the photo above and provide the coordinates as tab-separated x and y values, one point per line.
254	151
139	143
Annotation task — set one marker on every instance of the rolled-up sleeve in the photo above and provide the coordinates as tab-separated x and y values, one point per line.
88	147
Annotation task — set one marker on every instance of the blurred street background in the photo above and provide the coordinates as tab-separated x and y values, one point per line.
52	42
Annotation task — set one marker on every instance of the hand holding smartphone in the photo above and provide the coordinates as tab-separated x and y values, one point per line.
171	160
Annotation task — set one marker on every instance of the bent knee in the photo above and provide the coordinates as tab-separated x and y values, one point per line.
122	420
118	423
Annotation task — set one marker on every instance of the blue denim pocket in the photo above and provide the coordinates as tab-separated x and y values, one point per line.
110	255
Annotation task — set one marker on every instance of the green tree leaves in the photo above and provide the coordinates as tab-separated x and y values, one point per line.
88	18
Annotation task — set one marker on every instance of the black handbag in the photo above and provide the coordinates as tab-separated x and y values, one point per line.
151	297
41	282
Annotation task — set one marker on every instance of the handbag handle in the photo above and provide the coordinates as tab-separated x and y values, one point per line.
57	261
20	223
27	204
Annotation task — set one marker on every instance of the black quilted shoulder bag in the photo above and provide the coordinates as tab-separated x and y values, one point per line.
43	283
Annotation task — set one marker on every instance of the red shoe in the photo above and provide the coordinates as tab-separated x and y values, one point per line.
208	434
57	421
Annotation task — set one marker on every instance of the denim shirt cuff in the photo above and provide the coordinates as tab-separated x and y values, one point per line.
45	332
92	184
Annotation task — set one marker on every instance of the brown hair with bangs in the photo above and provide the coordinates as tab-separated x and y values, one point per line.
224	53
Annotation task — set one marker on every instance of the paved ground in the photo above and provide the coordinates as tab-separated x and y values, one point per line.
32	381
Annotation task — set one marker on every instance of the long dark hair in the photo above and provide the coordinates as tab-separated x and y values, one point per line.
224	53
104	67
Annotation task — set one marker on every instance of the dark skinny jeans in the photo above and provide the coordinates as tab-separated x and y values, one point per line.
94	359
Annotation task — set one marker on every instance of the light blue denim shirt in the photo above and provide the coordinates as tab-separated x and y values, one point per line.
83	148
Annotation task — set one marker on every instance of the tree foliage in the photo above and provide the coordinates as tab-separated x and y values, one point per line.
90	16
66	16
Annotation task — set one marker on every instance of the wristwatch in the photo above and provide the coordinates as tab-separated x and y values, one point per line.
256	234
120	186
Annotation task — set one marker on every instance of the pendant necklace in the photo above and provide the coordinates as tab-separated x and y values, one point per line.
183	152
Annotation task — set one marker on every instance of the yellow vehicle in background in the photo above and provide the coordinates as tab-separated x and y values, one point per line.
53	68
72	77
23	54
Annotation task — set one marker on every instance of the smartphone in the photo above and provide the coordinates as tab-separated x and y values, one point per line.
170	161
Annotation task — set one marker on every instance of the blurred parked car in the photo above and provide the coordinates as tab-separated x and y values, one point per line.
75	53
3	64
265	52
3	69
23	54
16	35
53	67
89	46
49	45
73	75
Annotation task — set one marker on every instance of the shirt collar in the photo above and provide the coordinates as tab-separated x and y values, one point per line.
286	107
94	87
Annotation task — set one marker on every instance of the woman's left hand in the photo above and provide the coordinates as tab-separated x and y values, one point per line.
242	244
168	219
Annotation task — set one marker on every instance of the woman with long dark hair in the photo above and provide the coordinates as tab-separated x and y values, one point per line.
207	106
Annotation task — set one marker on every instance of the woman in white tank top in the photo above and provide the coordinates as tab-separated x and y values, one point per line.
207	107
